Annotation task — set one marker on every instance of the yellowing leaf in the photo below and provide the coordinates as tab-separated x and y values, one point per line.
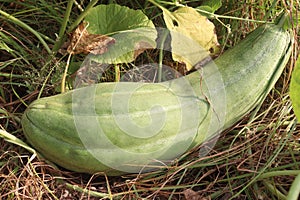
193	35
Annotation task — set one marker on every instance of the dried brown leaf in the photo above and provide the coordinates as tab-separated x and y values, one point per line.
84	42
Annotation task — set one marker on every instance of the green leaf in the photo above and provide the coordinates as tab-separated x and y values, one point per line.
295	89
211	5
193	35
132	30
206	8
294	191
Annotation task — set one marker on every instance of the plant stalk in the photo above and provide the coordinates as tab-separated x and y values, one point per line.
82	15
61	36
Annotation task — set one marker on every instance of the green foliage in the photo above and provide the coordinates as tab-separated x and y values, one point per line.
211	5
132	30
294	191
267	143
295	89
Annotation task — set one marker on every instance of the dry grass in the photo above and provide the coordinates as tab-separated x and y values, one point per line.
256	159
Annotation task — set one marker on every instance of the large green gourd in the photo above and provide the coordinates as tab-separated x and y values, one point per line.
187	110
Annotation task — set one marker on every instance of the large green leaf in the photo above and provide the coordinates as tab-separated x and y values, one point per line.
132	30
295	89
